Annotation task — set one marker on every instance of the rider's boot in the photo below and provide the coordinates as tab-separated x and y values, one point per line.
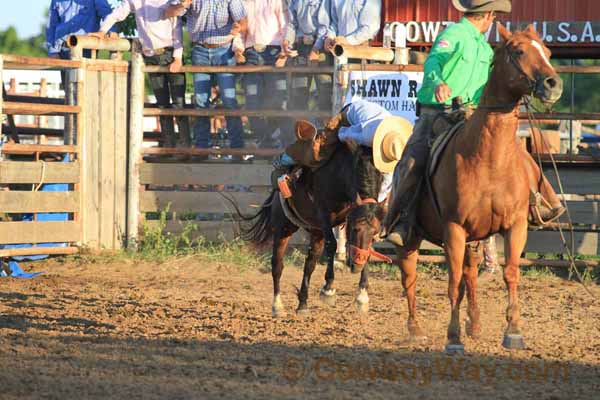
281	176
541	212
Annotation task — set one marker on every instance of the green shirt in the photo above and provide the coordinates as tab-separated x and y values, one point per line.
461	57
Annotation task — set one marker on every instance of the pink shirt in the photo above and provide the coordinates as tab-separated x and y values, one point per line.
267	22
154	31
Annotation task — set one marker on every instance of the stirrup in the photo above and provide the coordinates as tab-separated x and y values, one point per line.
283	183
541	212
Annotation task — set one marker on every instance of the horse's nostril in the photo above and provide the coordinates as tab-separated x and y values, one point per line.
550	83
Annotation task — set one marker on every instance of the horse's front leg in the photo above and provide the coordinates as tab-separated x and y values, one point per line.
362	298
407	260
514	243
314	252
454	245
328	291
473	257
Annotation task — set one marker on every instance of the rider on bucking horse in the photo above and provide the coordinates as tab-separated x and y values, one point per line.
458	66
363	122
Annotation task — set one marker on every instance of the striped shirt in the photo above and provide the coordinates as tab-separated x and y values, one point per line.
210	21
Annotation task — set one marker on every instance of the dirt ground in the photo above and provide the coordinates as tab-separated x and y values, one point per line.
191	329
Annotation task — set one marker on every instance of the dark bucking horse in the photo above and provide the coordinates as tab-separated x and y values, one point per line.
344	189
481	187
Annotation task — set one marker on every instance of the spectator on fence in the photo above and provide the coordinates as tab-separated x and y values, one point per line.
349	22
72	17
212	25
162	44
303	31
266	44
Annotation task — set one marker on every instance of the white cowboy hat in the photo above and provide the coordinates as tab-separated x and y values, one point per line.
389	141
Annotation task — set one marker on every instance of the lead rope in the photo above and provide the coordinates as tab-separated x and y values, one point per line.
572	267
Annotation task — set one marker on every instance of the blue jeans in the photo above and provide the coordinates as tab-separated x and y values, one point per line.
266	90
226	82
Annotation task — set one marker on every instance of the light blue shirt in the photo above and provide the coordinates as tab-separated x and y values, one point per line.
357	20
364	118
73	17
304	20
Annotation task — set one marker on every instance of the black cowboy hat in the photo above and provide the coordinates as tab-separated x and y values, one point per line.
503	6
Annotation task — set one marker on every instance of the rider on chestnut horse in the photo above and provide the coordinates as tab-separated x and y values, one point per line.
458	66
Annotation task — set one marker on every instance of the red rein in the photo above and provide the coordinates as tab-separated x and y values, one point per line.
361	256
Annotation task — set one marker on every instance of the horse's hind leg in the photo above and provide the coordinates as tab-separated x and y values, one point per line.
407	260
514	243
473	257
455	241
317	243
280	243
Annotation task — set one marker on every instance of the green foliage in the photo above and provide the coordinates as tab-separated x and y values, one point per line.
11	44
158	245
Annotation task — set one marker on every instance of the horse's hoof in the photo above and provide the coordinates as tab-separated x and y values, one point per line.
472	330
513	342
362	301
277	309
278	312
362	308
302	311
453	349
328	297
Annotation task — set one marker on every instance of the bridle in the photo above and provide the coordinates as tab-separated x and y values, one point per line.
531	85
361	256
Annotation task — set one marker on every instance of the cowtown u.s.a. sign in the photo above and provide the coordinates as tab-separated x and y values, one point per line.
551	32
394	91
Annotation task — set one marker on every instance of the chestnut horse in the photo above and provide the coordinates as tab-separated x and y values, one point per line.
481	187
345	189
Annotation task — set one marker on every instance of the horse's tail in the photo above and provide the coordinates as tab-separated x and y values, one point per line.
256	229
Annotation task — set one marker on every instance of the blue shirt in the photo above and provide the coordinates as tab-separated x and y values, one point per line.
73	17
304	20
364	118
357	20
210	21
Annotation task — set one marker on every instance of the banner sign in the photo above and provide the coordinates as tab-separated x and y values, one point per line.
394	91
551	32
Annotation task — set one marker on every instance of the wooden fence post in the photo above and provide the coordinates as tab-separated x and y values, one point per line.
136	138
340	84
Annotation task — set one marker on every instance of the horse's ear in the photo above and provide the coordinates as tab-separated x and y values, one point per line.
305	130
531	29
505	34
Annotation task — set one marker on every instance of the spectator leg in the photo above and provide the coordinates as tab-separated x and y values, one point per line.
200	56
160	87
177	86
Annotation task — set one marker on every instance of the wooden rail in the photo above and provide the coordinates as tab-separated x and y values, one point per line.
243	69
14	108
235	113
12	148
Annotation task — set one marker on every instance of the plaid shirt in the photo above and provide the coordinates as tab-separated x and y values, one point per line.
210	21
